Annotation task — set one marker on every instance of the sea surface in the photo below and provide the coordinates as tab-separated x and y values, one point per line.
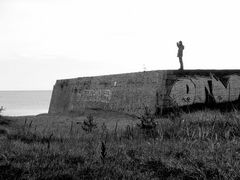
22	103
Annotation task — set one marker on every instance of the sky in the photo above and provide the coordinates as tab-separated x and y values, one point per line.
45	40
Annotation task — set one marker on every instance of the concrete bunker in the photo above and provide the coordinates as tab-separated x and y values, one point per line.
159	90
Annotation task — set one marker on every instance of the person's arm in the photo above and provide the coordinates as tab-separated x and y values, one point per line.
177	44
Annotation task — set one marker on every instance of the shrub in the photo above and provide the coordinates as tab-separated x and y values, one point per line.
148	123
89	124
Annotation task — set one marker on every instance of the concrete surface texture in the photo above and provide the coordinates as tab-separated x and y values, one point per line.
131	92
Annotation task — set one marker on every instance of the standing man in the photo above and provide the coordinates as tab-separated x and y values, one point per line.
180	53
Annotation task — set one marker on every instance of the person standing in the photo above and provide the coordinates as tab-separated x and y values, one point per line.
180	53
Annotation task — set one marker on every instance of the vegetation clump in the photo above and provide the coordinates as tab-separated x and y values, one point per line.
89	124
148	123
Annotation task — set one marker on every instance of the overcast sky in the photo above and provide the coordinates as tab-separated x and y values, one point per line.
45	40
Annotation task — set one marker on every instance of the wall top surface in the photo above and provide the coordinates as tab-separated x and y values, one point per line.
175	72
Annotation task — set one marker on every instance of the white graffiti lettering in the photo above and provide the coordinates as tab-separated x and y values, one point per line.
103	96
183	92
188	91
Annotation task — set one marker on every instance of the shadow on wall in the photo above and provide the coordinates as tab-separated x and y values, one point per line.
222	107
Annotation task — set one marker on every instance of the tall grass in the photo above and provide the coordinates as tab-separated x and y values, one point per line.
201	145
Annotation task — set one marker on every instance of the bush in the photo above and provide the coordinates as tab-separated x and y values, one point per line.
148	123
89	124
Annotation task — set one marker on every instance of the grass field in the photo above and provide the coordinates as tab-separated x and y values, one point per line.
197	145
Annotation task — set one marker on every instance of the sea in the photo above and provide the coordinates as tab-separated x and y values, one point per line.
24	103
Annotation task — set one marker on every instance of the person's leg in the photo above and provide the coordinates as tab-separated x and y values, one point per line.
181	63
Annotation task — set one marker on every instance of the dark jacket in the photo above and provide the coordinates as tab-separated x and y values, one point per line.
180	50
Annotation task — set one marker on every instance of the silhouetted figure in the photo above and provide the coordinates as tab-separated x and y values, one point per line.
180	53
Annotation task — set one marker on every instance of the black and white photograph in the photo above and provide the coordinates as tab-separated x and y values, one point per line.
130	89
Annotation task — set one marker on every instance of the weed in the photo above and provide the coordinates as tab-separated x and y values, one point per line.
3	120
148	123
89	124
105	133
147	120
3	160
1	109
103	151
115	131
128	133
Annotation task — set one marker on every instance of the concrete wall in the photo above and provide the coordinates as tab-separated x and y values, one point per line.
130	92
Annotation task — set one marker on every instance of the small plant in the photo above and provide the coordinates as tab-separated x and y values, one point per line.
175	110
3	160
103	151
1	110
147	120
115	131
148	124
89	124
47	140
3	120
128	133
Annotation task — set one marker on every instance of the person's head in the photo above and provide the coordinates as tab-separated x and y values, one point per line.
180	42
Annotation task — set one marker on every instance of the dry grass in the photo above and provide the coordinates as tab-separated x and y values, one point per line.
200	145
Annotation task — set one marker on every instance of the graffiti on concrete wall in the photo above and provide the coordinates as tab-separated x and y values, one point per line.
99	95
193	90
